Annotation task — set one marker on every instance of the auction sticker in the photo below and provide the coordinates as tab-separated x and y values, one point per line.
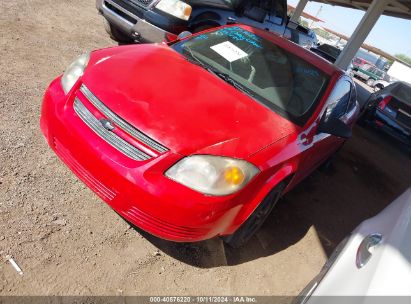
229	51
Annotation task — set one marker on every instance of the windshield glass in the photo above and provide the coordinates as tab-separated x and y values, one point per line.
271	75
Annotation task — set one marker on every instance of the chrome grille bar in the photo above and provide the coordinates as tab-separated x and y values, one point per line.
110	137
117	120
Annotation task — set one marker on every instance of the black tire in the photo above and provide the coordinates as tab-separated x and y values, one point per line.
378	87
256	219
364	118
116	34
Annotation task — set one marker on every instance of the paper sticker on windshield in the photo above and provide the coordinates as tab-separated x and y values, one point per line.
229	51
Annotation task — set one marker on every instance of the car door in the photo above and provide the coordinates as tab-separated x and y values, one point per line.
342	104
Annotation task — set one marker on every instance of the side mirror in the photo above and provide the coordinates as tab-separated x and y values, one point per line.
183	35
334	126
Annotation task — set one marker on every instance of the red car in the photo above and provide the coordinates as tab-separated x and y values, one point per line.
200	137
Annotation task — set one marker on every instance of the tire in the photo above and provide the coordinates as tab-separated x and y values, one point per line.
378	87
364	118
370	82
116	34
256	219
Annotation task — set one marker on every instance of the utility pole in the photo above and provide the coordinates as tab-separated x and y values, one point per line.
316	15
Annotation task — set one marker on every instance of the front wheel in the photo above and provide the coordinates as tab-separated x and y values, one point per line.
256	219
378	87
370	82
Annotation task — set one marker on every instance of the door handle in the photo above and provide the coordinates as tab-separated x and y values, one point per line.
366	248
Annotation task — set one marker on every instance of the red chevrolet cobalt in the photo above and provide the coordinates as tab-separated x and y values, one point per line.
200	137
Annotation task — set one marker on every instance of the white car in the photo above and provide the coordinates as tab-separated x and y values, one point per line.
380	84
375	260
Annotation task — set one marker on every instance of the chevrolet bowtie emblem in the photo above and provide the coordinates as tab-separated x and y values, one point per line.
107	124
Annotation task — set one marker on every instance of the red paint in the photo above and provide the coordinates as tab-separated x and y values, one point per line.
383	103
190	111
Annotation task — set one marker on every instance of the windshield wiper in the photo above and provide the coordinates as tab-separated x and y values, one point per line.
227	78
224	76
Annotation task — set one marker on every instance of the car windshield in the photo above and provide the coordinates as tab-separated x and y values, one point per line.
271	75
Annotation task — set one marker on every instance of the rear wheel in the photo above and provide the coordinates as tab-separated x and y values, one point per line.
256	219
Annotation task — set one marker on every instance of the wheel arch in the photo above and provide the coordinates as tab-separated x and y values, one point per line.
206	18
284	175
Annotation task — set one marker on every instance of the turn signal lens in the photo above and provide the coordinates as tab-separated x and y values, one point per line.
187	12
234	176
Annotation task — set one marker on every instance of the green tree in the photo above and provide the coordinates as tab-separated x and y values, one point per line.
304	23
322	33
404	58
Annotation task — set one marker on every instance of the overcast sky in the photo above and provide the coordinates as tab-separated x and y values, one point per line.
390	34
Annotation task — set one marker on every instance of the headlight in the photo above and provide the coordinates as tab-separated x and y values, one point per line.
74	71
176	8
212	175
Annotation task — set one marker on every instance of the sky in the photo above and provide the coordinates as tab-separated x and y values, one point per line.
390	34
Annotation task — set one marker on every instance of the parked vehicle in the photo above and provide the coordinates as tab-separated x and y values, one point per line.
301	35
381	84
389	110
156	21
375	260
369	74
327	51
359	62
200	137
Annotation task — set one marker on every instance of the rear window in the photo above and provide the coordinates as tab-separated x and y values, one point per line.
274	77
403	93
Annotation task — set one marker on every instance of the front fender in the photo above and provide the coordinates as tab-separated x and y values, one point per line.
285	173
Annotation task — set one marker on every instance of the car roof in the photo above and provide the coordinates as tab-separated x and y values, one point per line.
307	55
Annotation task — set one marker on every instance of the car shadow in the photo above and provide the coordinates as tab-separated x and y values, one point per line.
365	177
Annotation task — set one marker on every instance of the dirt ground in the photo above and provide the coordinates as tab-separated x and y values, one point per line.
68	242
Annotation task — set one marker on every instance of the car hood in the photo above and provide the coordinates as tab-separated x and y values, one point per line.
179	104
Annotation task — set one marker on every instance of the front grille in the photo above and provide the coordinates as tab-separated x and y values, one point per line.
110	137
143	3
117	120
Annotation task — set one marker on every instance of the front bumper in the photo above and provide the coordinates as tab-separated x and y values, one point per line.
131	24
137	190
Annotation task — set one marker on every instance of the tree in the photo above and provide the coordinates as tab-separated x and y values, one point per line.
404	58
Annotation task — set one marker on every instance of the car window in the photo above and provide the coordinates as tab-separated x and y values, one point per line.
272	76
403	93
353	98
339	99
